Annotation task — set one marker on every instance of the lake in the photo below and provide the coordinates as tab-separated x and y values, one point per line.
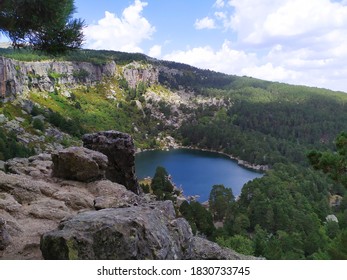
195	171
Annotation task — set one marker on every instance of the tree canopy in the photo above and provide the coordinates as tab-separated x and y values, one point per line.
161	184
45	25
332	163
219	201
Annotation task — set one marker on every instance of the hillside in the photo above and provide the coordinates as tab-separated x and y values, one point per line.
49	102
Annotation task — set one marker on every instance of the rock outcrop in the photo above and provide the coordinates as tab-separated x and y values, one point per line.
80	164
150	231
135	73
120	150
39	166
141	232
19	77
43	216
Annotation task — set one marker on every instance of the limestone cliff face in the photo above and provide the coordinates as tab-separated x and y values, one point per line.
18	77
135	73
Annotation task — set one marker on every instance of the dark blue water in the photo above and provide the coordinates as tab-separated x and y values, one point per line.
195	171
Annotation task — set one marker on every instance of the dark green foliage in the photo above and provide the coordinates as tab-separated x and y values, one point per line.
283	215
338	248
10	147
193	78
81	74
37	111
238	243
73	127
287	198
43	24
164	108
334	164
220	201
38	124
161	184
145	188
198	217
141	88
267	123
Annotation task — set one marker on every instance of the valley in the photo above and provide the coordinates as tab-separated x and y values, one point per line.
48	103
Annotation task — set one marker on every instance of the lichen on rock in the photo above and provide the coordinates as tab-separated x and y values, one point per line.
80	164
120	149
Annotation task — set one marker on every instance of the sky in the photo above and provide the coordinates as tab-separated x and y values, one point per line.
293	41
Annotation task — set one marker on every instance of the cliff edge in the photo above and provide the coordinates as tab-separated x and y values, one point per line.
49	213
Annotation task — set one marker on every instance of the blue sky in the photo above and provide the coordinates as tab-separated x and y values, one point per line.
293	41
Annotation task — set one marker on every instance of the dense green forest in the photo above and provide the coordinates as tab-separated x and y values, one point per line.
294	130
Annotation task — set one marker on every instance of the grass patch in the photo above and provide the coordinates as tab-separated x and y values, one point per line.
99	57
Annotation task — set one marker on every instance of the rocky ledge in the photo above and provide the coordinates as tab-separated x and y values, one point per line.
48	212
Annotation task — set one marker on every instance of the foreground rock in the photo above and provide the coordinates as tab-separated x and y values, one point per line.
30	207
142	232
149	231
56	207
120	150
80	164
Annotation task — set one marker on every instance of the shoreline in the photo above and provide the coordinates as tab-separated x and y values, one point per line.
243	163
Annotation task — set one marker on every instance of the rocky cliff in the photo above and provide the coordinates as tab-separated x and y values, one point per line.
17	77
135	73
51	212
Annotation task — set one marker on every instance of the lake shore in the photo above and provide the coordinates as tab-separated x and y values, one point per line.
196	170
243	163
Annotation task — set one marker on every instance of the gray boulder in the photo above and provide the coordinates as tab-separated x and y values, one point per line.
142	232
112	195
148	231
80	164
38	166
120	150
204	249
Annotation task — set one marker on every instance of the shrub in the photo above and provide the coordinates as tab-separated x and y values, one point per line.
38	124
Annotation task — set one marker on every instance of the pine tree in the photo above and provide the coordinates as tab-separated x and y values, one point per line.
45	25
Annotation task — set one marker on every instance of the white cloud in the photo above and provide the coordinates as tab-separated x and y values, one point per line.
155	51
293	41
205	23
302	66
123	33
263	22
220	15
226	59
219	4
270	72
300	17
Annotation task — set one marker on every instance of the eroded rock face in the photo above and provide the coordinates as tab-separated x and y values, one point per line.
39	166
148	231
18	77
120	150
80	164
141	232
31	206
204	249
112	195
42	216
